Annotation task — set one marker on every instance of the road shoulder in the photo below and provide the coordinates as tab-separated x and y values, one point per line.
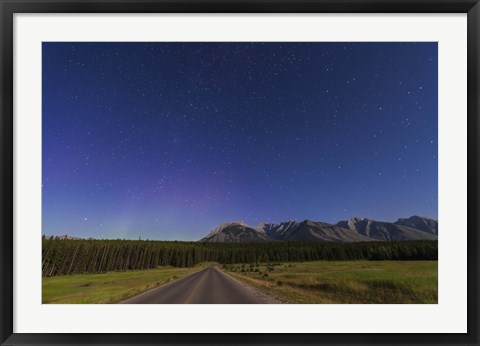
266	298
133	299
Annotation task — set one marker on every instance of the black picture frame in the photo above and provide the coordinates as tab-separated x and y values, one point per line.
9	7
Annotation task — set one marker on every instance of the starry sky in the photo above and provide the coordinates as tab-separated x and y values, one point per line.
167	140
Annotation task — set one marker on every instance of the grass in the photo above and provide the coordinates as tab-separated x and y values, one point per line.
109	287
344	282
341	282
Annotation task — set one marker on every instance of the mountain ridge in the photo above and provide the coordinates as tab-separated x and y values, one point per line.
356	229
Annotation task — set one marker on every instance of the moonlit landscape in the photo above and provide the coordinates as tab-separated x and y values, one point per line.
239	172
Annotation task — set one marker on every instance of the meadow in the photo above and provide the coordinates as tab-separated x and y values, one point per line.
317	282
110	287
344	282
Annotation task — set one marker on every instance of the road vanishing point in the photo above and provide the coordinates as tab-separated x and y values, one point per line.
208	286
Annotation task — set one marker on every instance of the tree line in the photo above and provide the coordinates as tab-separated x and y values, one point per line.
70	256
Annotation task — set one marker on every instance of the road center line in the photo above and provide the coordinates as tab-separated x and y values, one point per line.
195	288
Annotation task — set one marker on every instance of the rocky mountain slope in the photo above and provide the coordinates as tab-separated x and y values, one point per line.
234	232
353	230
422	223
309	230
384	230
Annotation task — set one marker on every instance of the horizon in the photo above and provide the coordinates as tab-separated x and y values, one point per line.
167	140
139	237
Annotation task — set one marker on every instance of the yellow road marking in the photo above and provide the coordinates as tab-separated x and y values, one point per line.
194	289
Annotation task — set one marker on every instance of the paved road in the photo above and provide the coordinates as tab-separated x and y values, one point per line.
208	286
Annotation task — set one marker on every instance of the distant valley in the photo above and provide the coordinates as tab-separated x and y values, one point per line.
354	230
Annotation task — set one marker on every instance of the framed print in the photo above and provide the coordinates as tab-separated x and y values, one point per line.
239	172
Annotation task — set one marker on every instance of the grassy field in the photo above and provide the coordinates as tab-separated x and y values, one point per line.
109	287
354	282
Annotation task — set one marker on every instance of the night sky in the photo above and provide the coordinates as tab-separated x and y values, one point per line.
167	140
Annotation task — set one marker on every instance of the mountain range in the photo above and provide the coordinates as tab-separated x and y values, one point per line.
354	230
